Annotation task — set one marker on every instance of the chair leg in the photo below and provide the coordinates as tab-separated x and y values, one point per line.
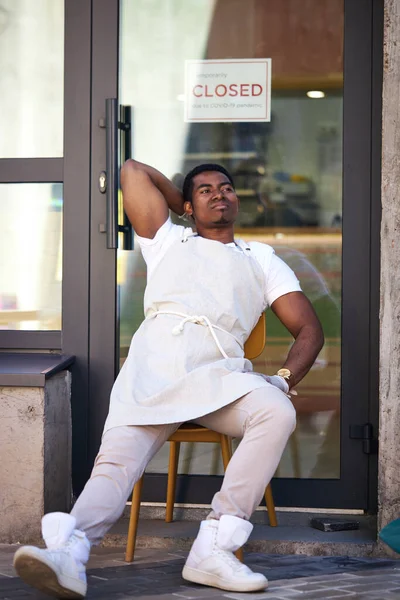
239	554
172	475
226	449
133	521
269	500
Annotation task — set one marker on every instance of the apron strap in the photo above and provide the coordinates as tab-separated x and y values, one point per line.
187	233
243	245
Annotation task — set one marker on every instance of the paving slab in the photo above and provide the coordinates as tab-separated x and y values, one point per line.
289	538
156	575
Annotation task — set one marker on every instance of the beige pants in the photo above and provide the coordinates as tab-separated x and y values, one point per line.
264	419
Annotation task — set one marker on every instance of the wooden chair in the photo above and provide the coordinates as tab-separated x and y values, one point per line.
190	432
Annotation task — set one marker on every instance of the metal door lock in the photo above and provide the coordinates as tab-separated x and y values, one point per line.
103	182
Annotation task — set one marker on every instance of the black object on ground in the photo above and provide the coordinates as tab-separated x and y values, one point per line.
333	524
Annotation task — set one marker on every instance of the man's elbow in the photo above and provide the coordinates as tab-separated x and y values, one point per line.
126	170
129	166
133	176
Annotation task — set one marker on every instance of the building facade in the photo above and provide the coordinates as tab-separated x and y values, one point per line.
88	83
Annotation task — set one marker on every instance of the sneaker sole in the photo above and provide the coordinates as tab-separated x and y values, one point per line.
212	580
38	574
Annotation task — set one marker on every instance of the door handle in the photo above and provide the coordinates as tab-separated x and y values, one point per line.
125	125
112	173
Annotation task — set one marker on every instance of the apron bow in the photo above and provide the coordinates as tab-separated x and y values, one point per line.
197	320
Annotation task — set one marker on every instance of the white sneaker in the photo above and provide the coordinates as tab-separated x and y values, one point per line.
211	560
60	569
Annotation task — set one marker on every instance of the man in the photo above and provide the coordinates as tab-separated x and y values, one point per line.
205	293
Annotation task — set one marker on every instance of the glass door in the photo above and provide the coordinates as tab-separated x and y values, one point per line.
289	177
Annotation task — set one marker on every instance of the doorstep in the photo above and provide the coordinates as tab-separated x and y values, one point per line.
292	536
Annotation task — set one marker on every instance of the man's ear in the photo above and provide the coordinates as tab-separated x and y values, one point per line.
188	208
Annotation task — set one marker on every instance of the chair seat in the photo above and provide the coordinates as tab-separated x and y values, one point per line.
190	432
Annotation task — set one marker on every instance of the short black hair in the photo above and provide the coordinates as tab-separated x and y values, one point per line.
187	188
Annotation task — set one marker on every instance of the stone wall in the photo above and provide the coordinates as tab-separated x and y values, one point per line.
35	466
389	429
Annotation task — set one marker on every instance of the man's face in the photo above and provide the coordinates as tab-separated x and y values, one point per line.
214	200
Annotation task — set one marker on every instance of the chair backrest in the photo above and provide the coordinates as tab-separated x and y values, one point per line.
256	341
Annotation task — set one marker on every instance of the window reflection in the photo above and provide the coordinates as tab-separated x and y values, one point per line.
30	256
288	175
31	78
288	172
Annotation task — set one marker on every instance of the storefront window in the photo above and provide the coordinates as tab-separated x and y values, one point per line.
31	78
288	174
30	256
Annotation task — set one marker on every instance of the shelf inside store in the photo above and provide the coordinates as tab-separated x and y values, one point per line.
220	155
243	193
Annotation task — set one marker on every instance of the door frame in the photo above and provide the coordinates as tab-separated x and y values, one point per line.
103	261
76	222
95	339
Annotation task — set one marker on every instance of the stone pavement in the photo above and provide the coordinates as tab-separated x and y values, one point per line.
156	575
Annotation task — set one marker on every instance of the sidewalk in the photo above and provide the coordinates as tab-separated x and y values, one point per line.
156	575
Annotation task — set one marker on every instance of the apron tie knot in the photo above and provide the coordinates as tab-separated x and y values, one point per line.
197	320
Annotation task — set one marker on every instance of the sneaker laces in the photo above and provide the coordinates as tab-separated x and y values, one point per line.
69	548
70	543
64	546
231	559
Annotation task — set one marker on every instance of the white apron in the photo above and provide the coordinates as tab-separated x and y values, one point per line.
181	367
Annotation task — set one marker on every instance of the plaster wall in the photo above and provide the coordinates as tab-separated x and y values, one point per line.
35	450
389	428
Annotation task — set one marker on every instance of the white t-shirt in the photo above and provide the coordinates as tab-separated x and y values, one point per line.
279	278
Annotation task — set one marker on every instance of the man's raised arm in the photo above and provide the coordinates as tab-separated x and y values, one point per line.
148	195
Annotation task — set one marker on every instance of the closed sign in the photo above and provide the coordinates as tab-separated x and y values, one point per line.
228	90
